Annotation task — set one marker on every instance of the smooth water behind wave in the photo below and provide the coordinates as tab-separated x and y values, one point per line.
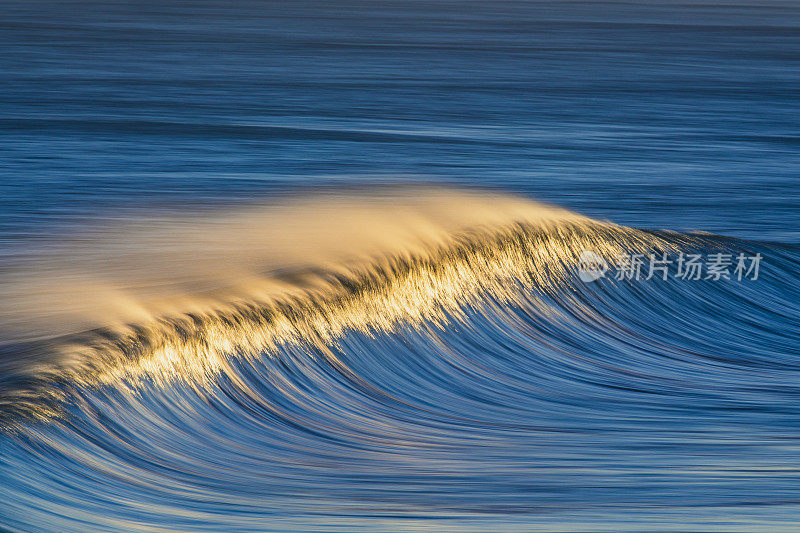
460	376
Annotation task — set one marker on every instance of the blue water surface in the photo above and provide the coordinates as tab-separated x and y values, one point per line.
652	114
564	407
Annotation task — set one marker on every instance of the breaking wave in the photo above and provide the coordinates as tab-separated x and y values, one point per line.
383	354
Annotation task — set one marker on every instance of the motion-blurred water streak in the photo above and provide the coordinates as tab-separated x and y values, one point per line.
252	277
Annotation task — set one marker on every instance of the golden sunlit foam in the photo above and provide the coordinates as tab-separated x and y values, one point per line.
177	298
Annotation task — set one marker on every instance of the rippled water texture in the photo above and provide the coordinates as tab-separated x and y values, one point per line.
315	266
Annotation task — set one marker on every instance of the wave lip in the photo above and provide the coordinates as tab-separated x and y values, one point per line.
177	298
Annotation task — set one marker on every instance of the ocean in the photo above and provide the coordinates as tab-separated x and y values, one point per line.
392	266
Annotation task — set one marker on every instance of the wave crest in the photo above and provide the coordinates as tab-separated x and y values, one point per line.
443	252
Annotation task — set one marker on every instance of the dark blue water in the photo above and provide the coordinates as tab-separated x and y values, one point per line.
536	403
652	114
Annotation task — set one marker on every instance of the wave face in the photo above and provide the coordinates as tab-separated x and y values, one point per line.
424	358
